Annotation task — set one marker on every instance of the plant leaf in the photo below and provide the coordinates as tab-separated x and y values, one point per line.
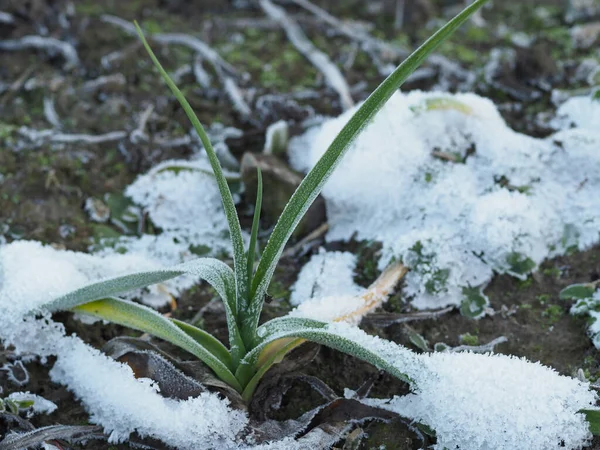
218	274
316	178
235	231
255	223
142	318
298	329
593	418
203	338
578	291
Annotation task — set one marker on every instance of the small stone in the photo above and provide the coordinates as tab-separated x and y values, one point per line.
279	183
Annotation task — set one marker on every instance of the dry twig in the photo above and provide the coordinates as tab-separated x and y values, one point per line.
320	60
44	43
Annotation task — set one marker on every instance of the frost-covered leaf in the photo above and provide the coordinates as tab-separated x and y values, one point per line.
202	345
474	302
235	231
37	437
217	273
418	340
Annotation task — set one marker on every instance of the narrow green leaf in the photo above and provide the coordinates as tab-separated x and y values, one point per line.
578	291
239	256
255	223
218	274
110	287
205	339
316	178
142	318
593	418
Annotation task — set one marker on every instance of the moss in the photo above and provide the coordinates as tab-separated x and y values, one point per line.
543	298
552	272
553	314
525	284
469	339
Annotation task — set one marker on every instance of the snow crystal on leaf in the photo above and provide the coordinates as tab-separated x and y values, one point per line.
39	404
326	274
456	194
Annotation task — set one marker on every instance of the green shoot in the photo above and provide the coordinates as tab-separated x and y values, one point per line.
252	350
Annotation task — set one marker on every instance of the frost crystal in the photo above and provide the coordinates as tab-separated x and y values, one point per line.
456	194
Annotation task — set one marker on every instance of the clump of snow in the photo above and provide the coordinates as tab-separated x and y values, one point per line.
123	404
456	194
326	274
579	112
330	308
182	198
485	402
36	273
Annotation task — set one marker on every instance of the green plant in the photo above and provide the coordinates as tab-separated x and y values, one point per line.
253	349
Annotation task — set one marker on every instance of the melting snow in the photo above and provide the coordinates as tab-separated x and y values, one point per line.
456	194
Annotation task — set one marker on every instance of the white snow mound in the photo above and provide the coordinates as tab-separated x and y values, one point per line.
452	191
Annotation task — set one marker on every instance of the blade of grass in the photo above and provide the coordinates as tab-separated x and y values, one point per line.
239	257
255	223
316	178
142	318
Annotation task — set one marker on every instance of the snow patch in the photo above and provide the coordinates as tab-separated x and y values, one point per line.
485	402
326	274
456	194
578	112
